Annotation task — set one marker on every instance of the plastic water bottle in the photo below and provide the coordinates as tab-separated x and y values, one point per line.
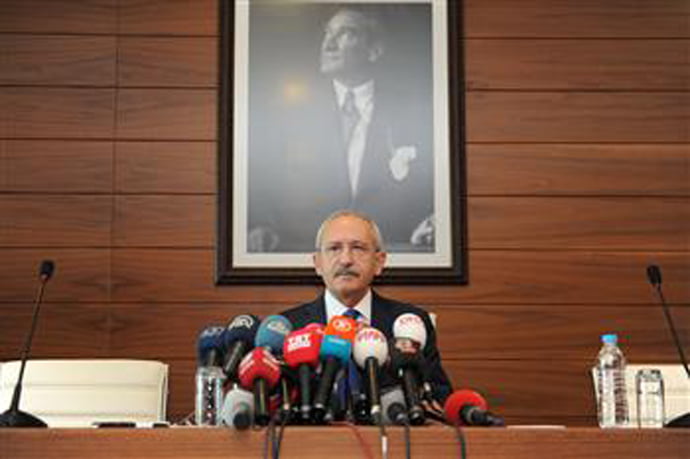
612	403
209	395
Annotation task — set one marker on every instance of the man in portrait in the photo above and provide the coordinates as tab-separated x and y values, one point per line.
358	134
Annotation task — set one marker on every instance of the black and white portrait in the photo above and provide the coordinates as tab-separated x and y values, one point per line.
340	116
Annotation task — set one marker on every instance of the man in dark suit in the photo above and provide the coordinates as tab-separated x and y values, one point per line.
349	254
351	140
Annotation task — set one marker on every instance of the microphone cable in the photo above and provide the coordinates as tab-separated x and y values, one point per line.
278	439
358	435
461	440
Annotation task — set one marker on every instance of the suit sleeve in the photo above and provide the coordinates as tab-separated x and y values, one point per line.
437	376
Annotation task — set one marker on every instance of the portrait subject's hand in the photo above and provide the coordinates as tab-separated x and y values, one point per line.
262	239
423	234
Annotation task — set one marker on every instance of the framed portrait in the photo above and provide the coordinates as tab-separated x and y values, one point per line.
327	105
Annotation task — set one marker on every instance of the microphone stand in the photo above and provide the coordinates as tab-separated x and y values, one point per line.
14	417
654	275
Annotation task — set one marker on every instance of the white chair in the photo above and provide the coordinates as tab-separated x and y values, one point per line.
78	392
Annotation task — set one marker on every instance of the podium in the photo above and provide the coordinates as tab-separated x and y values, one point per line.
436	441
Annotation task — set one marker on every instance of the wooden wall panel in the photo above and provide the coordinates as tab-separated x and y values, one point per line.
56	113
577	117
621	65
578	170
164	221
168	17
166	114
58	16
165	167
45	166
55	221
164	62
582	19
579	223
57	60
63	330
497	277
81	275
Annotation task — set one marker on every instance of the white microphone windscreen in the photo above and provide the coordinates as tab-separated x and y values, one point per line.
410	326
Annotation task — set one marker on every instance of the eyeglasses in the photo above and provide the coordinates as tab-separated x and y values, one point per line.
357	249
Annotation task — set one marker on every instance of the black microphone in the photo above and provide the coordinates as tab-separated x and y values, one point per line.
654	276
239	339
13	417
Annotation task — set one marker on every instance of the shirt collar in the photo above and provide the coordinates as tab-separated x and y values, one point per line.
364	96
335	308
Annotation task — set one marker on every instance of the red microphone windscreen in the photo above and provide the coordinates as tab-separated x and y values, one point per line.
302	346
259	363
459	399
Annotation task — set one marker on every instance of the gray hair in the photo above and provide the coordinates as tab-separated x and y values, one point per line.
378	239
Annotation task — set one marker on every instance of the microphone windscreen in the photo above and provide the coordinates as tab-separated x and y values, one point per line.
238	409
370	342
302	347
208	342
242	328
272	333
458	400
47	269
342	326
391	396
654	275
259	364
410	326
335	346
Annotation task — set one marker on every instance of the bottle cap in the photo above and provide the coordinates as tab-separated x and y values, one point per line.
609	338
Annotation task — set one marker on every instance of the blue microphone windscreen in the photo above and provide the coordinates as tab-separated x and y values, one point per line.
272	333
335	346
210	339
241	328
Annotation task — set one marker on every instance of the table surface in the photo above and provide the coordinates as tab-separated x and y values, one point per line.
436	441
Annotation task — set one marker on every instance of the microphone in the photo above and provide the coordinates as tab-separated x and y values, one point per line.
238	409
13	417
393	406
336	347
407	361
469	408
370	351
260	371
272	332
654	276
411	326
238	340
210	346
301	351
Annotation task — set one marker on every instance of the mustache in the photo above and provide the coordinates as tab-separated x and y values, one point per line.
346	272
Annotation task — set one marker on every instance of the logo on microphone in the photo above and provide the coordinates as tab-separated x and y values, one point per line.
278	327
342	325
300	341
244	321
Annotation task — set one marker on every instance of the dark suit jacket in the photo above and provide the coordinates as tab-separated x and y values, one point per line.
384	311
298	173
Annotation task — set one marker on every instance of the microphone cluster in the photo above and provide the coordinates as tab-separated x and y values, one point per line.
319	374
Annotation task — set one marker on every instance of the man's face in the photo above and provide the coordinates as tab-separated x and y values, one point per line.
348	258
346	49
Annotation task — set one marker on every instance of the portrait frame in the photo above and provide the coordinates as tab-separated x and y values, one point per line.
235	264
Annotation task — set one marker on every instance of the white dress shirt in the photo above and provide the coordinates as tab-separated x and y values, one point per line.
335	308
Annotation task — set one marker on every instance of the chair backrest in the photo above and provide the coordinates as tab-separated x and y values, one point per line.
79	392
676	389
